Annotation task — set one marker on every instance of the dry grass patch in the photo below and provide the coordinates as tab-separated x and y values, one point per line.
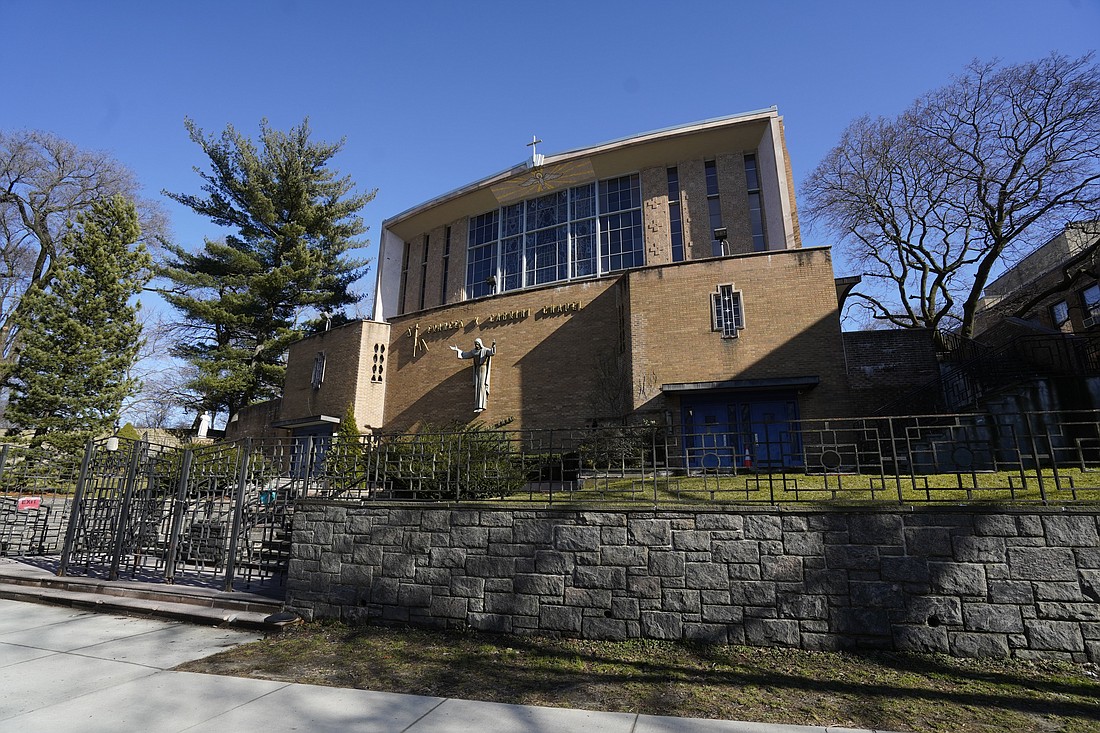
875	690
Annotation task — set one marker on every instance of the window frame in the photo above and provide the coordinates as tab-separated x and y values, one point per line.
565	235
1059	321
719	321
1090	309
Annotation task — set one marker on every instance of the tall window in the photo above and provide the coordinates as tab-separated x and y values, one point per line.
756	209
726	313
482	259
1059	314
621	243
675	219
714	205
424	273
554	237
404	275
446	265
1090	298
318	376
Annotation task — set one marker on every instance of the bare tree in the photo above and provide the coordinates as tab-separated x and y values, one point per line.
45	182
931	203
162	401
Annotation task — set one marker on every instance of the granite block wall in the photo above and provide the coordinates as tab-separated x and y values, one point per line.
970	583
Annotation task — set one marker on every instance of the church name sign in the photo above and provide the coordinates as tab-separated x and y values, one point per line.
546	311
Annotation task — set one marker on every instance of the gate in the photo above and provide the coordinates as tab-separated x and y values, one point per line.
215	515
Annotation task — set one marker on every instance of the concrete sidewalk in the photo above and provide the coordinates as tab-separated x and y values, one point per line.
68	670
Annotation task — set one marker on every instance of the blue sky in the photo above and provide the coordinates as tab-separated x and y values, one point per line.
431	95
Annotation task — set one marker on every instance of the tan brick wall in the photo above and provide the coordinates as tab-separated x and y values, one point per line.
374	357
734	192
254	421
546	372
693	207
658	237
456	280
792	328
349	353
565	370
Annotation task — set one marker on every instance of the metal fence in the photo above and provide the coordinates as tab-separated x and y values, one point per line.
221	514
1029	457
216	515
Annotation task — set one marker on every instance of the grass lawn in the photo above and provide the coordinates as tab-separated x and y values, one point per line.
1001	487
894	692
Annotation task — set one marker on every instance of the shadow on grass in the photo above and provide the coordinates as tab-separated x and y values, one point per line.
512	669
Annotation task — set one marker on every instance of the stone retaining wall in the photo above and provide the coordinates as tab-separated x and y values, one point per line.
964	582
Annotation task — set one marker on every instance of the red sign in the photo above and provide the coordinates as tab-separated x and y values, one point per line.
29	502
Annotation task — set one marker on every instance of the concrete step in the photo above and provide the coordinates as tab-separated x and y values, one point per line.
182	603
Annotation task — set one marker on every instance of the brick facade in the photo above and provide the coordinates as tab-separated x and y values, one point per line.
357	360
883	365
1063	268
599	349
574	354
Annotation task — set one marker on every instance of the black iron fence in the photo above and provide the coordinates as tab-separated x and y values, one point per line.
1032	457
222	513
217	514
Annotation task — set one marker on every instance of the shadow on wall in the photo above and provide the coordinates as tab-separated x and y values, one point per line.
965	584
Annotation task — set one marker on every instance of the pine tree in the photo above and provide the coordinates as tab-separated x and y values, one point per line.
347	453
294	222
81	334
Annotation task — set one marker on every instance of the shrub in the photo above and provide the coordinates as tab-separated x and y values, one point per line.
466	463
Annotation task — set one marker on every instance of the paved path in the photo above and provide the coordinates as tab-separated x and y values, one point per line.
75	671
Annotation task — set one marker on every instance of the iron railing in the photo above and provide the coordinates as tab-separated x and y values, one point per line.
1031	457
221	514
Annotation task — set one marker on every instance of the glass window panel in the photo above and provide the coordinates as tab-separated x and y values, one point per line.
621	241
673	185
756	221
726	311
554	237
751	177
512	261
479	271
1059	313
512	222
676	229
618	194
711	169
1091	298
483	228
547	211
545	252
584	248
584	201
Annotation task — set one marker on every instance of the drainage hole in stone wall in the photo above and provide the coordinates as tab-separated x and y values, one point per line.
934	621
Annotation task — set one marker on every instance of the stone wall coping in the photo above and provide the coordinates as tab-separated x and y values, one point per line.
792	508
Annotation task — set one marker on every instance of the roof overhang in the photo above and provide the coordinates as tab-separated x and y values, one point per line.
306	422
606	160
742	385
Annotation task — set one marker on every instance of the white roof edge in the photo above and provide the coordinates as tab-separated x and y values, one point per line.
772	111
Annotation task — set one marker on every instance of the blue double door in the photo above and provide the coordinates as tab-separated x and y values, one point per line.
727	431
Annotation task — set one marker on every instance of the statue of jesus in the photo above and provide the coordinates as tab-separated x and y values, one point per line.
483	362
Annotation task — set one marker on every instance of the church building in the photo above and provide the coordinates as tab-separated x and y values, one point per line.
660	277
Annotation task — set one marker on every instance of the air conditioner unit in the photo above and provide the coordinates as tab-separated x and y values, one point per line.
1089	321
